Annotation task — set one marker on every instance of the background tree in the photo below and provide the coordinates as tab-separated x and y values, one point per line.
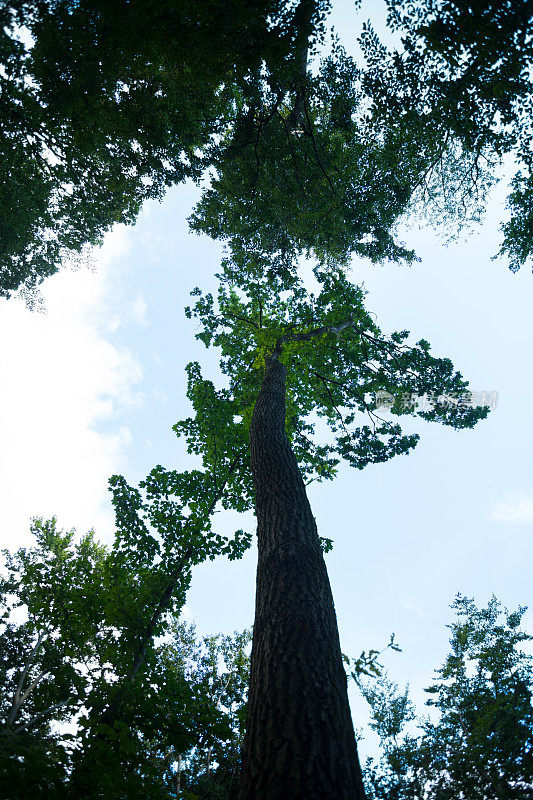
69	615
218	668
478	742
330	168
162	532
48	655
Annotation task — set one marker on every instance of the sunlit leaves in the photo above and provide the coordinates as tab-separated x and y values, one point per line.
339	365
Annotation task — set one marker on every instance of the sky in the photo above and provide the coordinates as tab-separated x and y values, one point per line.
91	385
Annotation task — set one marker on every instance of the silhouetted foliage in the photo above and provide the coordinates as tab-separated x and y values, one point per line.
478	741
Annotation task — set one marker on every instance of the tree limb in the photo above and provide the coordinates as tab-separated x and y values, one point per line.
19	696
109	714
42	715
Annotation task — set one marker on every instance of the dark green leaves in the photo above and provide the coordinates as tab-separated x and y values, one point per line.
305	174
112	103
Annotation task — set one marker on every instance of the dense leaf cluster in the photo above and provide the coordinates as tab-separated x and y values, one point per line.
105	104
72	611
339	366
310	176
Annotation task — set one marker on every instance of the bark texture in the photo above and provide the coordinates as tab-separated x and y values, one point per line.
300	742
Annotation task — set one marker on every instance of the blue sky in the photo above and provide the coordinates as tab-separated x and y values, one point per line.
93	385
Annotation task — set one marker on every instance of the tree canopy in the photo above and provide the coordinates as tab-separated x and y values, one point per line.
107	104
465	69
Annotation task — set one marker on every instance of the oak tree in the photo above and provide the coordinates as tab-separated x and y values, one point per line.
288	359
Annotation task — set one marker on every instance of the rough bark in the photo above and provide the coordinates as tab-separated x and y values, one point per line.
300	742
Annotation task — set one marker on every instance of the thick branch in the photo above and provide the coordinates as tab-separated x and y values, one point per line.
303	22
32	686
306	337
42	715
20	696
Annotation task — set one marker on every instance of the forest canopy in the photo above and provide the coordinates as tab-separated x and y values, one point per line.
308	158
107	104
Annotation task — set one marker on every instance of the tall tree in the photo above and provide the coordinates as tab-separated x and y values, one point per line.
286	359
324	172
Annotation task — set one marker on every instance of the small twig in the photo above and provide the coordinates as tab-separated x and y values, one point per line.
319	160
245	320
347	432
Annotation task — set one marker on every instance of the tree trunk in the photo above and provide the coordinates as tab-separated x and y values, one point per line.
300	742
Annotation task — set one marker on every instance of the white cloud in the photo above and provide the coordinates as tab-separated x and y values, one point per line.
518	509
186	615
60	378
138	311
160	395
410	606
